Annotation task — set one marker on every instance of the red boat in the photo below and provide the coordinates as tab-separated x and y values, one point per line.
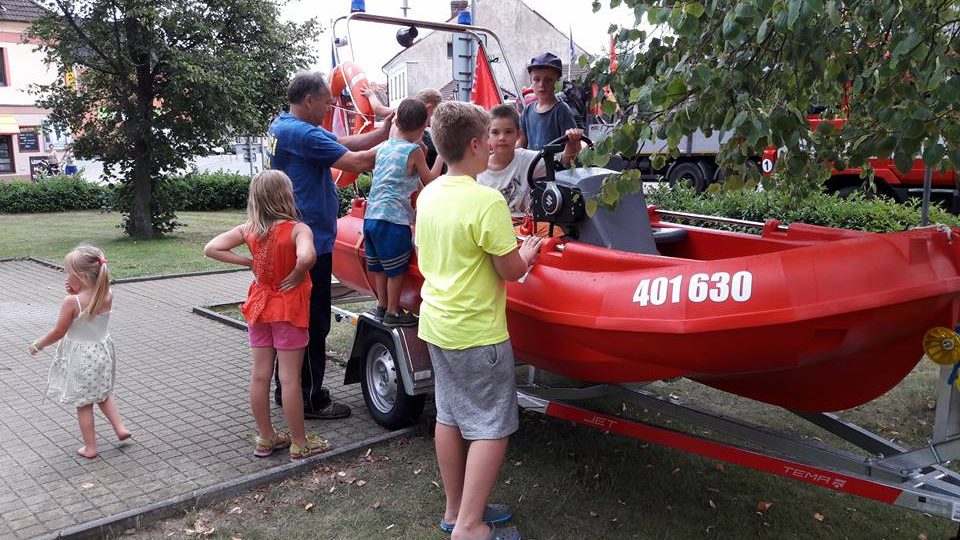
806	317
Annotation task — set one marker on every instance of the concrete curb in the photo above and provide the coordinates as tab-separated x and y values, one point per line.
115	525
136	279
44	262
175	276
205	312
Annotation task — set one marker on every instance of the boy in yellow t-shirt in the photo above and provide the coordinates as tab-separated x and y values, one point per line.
466	250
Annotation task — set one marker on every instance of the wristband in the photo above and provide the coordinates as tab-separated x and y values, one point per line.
34	347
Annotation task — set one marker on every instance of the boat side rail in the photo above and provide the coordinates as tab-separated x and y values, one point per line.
720	219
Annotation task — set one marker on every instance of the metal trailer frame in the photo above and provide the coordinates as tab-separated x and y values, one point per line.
474	31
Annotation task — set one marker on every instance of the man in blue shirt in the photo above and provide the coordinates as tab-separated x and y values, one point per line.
298	146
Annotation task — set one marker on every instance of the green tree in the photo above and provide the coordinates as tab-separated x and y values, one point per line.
751	68
161	81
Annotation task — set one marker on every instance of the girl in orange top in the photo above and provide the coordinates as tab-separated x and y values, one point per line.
277	307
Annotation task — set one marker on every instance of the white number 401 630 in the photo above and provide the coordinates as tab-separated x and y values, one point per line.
716	287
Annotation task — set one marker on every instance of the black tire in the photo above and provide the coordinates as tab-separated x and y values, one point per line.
846	191
383	392
689	174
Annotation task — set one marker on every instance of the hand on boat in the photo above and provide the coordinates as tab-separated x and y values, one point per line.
530	249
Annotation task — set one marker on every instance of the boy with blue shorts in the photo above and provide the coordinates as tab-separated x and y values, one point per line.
400	167
467	250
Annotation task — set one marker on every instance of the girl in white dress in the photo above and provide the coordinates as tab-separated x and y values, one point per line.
83	369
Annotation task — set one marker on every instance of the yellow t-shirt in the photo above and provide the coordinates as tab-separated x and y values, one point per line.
460	224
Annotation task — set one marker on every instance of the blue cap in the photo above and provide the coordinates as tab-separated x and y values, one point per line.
357	5
546	60
464	17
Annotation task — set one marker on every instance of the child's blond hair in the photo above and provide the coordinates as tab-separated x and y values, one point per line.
454	125
270	200
89	264
430	96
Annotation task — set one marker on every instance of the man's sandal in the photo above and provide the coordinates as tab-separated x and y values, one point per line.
314	445
266	447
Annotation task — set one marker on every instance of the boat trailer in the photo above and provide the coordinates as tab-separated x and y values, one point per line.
393	367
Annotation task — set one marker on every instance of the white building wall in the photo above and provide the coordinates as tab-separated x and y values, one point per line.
23	67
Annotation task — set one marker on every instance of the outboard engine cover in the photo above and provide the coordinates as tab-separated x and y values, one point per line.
563	202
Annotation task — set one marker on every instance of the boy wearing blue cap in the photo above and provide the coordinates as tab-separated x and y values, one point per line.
548	118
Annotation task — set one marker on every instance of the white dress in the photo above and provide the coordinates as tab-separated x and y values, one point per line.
85	365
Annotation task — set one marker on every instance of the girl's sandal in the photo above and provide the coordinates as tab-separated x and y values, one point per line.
266	447
314	445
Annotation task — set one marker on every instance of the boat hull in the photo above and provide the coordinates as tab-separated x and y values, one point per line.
814	319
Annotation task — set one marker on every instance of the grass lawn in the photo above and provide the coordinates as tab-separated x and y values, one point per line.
51	236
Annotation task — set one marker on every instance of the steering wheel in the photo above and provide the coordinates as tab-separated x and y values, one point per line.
536	161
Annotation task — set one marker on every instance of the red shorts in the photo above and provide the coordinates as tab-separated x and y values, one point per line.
279	335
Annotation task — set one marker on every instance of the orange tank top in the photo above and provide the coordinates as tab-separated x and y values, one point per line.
274	257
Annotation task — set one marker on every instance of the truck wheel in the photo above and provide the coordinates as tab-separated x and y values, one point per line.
688	174
383	392
848	190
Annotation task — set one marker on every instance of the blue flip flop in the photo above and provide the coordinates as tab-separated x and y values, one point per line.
492	514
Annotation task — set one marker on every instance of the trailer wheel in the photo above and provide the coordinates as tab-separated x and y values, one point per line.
688	174
383	392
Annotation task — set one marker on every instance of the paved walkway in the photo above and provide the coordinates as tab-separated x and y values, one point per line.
181	388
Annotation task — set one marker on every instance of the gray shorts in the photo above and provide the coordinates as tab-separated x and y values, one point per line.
476	390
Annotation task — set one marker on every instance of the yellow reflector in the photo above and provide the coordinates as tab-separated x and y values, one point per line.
942	345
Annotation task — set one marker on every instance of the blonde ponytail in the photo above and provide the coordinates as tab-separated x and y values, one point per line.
89	263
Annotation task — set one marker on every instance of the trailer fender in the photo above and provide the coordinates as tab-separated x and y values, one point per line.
413	361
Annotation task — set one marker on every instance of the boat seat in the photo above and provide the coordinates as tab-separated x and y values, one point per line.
666	235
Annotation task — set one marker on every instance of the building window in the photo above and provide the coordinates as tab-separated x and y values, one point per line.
3	67
449	49
6	154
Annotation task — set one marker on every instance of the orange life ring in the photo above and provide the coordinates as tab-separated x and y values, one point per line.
349	74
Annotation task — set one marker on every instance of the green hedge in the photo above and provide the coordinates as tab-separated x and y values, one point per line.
875	214
194	191
220	190
53	194
346	194
208	191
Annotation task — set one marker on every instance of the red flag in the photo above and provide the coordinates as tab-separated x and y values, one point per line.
613	52
485	91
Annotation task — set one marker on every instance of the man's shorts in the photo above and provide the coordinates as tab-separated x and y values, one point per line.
476	390
388	246
282	336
